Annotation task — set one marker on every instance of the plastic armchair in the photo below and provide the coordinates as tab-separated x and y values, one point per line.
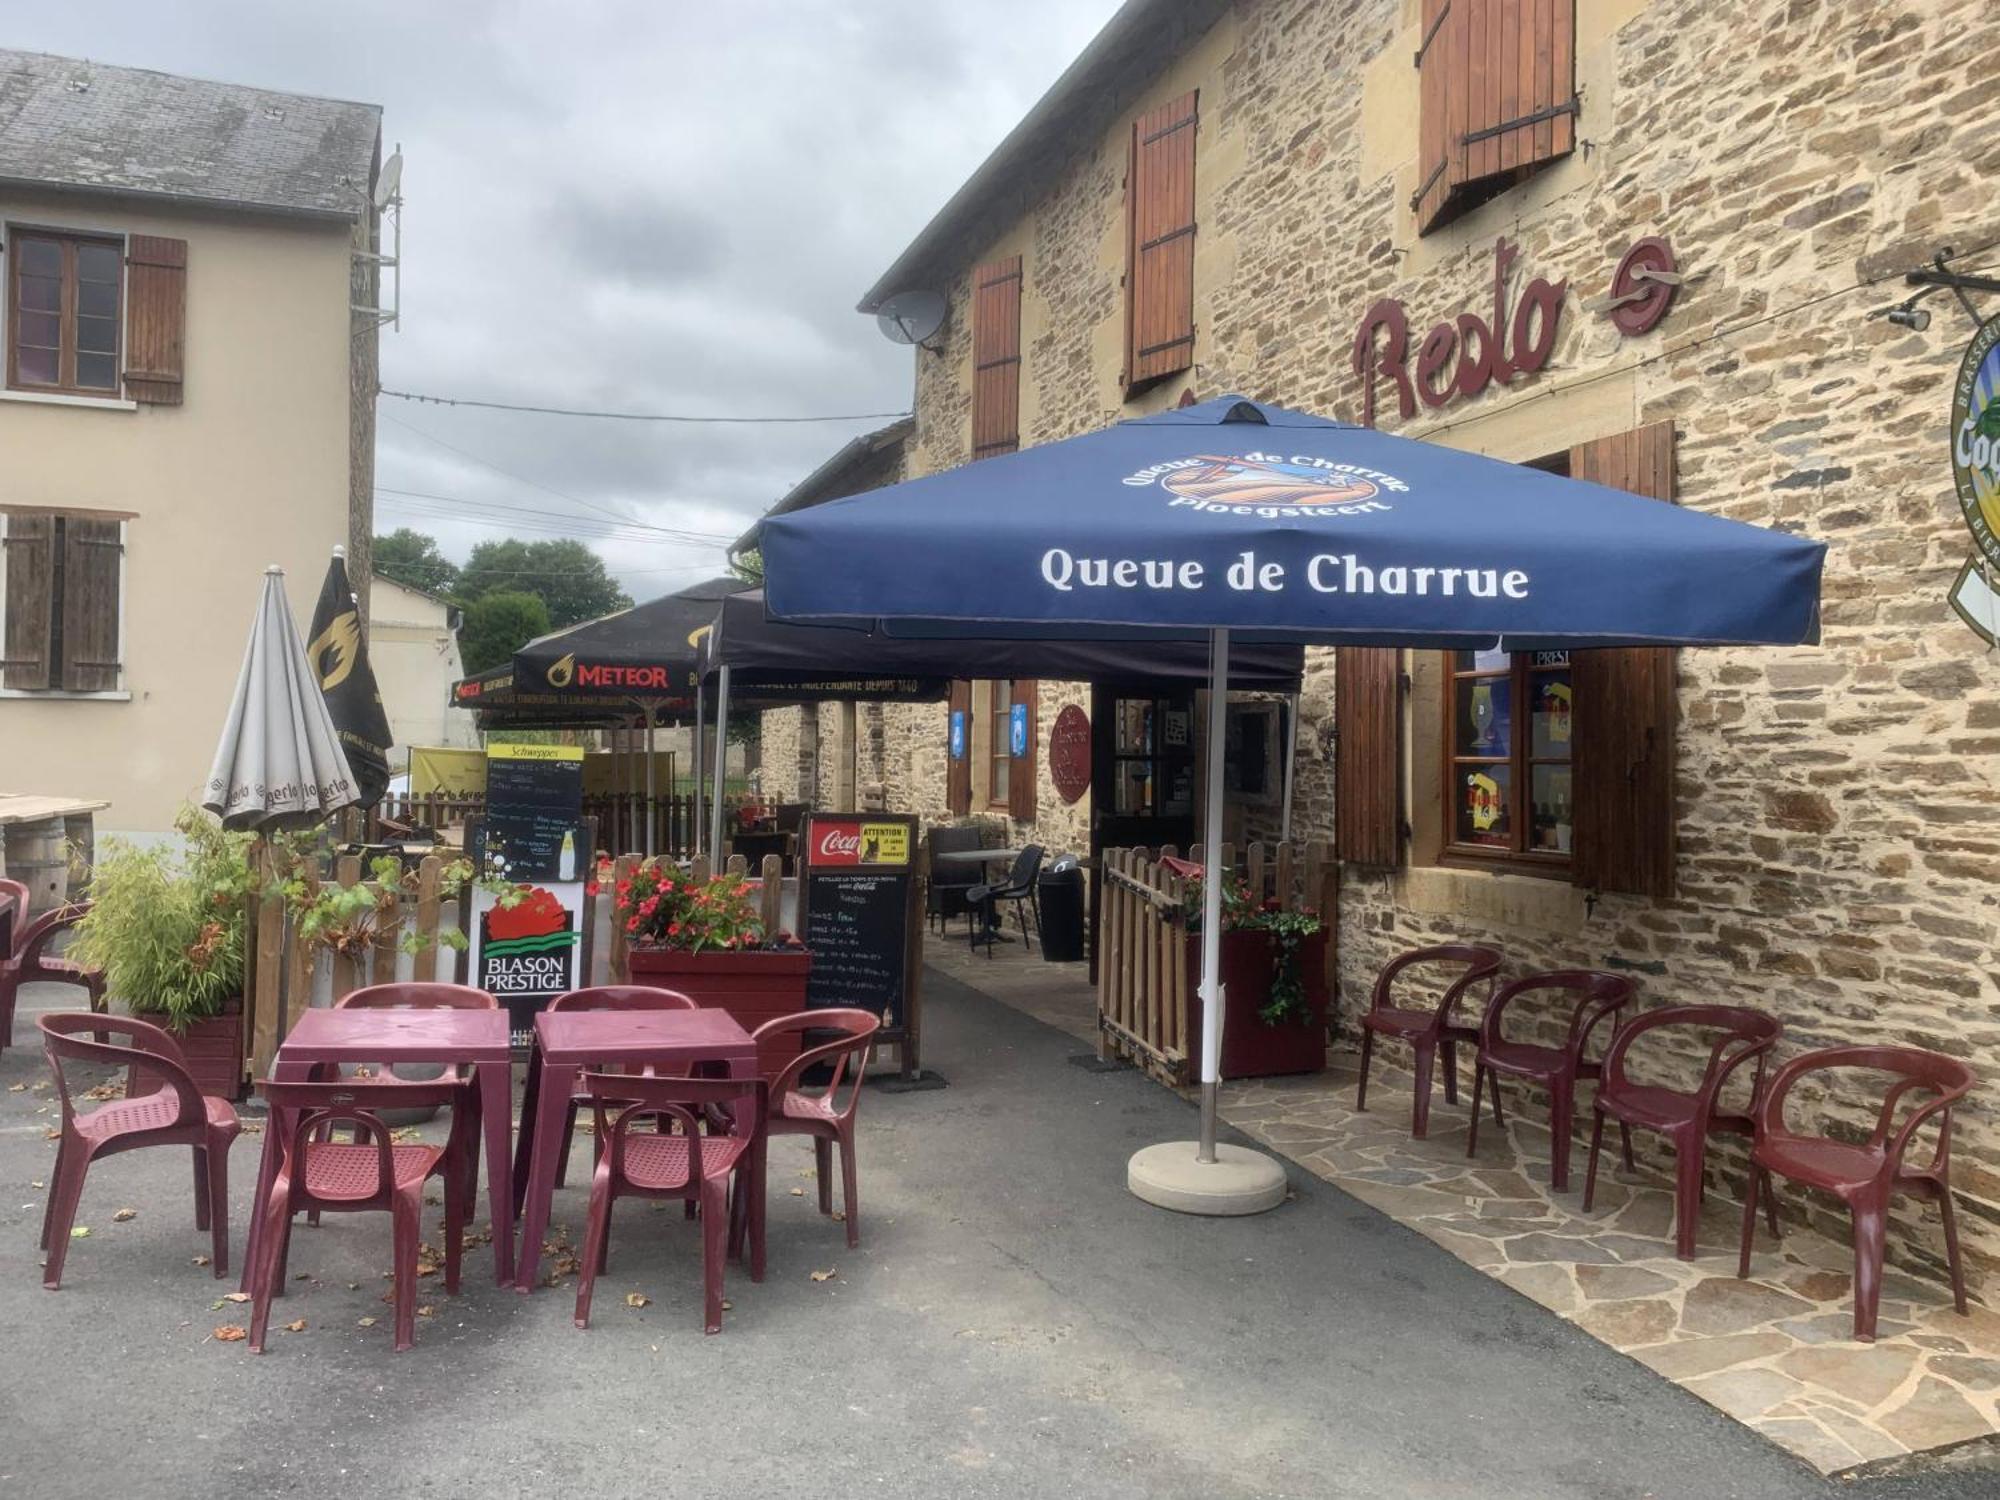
1865	1175
982	901
1599	997
1687	1120
674	1160
24	953
176	1113
826	1115
608	997
1427	1031
318	1173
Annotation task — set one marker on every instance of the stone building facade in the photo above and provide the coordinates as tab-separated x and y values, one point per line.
1834	807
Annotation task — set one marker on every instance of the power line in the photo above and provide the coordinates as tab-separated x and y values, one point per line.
508	473
625	530
640	416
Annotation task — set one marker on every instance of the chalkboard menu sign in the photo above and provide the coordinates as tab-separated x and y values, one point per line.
856	895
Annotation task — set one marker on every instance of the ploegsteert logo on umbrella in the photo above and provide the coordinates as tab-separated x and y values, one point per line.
1270	487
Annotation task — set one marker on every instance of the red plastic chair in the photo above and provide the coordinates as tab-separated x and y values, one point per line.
825	1116
1687	1120
423	995
666	1163
1863	1176
609	997
24	957
1599	996
317	1173
1427	1031
174	1114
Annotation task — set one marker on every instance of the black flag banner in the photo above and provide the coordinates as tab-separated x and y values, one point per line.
339	660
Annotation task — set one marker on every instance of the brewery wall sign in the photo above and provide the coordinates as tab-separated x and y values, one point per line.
1975	473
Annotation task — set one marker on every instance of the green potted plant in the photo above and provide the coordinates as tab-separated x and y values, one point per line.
347	919
168	926
1273	981
705	939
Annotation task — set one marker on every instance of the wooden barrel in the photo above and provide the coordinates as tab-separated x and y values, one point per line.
38	857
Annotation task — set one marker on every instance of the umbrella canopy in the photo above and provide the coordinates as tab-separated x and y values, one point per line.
279	764
650	651
1241	515
339	656
770	660
1237	516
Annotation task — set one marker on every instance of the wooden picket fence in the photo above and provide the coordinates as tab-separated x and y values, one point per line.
1144	979
621	813
283	974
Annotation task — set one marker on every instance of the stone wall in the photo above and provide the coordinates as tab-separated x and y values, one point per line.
1837	847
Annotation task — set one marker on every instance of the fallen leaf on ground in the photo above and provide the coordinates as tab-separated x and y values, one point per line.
38	1183
297	1325
52	1134
840	1213
427	1311
727	1305
825	1275
217	1305
798	1192
81	1232
235	1296
231	1333
636	1299
200	1260
252	1127
365	1323
302	1276
354	1286
17	1088
104	1091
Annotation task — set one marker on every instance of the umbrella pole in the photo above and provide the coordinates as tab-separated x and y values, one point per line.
700	704
1202	1177
1291	768
1212	876
652	794
721	759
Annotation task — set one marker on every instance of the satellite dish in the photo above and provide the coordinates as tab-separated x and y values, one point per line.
910	317
391	180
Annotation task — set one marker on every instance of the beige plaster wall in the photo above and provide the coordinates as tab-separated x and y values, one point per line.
252	469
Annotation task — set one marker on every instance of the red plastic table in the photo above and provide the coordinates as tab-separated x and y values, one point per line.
407	1036
568	1041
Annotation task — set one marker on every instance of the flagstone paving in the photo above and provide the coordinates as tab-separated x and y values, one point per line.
1775	1351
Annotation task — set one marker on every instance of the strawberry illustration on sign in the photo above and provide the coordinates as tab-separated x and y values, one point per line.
541	915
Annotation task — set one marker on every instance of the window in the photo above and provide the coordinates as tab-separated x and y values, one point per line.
1152	757
1159	248
63	313
1509	727
1555	763
63	587
999	740
1497	99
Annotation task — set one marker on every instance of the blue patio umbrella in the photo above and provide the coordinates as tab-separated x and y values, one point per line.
1235	517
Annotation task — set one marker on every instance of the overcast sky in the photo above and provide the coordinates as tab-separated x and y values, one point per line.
645	205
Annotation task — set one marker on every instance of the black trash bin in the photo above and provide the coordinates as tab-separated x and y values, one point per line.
1060	895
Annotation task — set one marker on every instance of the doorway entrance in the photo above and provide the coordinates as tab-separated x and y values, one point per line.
1143	783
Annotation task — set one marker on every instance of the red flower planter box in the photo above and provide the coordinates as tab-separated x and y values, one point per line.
214	1052
754	987
1251	1046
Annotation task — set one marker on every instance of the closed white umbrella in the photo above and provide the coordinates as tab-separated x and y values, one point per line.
279	764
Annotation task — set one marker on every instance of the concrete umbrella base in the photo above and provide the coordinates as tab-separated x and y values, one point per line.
1238	1181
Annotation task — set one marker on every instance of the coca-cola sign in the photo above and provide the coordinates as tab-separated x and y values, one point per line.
859	841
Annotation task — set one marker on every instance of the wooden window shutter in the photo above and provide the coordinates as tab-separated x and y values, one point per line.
1626	708
1367	759
996	357
958	769
93	554
155	318
1159	225
31	580
1026	692
1497	96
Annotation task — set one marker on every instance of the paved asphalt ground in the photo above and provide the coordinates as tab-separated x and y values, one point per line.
1014	1325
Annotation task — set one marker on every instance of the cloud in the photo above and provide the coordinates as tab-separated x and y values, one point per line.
629	205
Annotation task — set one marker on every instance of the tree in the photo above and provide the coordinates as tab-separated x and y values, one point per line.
497	625
565	575
748	565
412	558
